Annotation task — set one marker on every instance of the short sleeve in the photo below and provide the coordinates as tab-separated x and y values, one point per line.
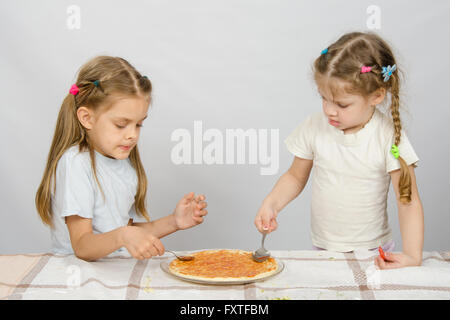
74	193
406	151
299	141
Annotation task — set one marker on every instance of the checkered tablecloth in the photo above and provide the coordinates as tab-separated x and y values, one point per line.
311	275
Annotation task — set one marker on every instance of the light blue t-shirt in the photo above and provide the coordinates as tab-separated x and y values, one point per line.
77	193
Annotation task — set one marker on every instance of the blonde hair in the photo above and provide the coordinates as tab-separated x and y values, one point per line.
344	59
100	81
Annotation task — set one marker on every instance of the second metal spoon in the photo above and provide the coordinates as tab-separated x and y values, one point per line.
261	254
182	258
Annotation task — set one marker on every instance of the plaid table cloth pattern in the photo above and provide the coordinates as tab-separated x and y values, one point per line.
311	275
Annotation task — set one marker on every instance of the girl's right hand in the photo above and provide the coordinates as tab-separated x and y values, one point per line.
266	219
140	243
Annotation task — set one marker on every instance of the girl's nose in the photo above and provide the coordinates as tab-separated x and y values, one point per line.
329	109
132	133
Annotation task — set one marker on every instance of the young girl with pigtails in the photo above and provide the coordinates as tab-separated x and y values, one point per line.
94	184
355	150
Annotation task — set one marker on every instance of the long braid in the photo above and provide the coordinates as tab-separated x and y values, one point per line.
404	184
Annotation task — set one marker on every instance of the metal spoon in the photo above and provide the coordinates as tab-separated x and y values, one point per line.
261	254
182	258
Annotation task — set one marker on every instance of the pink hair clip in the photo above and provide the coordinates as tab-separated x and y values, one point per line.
74	90
365	69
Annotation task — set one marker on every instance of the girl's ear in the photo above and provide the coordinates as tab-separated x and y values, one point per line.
86	117
377	97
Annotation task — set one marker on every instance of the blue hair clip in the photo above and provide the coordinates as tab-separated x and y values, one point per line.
387	72
324	51
96	83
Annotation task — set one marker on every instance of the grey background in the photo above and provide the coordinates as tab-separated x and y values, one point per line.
231	64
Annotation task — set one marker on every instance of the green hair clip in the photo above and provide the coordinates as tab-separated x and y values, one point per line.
394	151
96	83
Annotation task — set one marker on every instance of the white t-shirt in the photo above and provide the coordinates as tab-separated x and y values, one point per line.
77	193
350	180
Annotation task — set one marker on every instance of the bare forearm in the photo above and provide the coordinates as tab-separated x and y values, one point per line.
287	188
161	227
412	228
91	246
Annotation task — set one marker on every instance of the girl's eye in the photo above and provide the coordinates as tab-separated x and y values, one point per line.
121	127
341	106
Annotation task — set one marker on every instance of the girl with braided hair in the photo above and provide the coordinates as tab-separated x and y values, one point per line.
356	150
94	185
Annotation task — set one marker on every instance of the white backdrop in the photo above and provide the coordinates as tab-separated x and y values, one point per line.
221	65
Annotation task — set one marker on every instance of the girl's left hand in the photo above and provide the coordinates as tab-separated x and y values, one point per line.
396	260
190	211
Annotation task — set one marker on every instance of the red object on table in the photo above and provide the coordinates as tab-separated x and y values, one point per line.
380	250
